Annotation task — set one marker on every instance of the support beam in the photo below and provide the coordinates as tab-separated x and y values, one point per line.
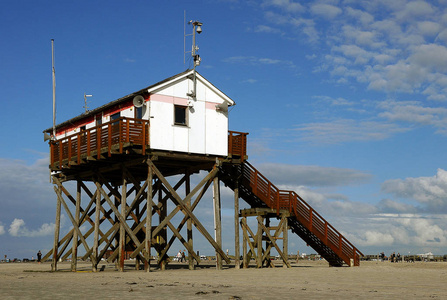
57	227
96	234
148	237
178	201
189	222
285	241
237	262
74	248
217	221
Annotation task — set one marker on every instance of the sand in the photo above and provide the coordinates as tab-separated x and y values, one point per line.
305	280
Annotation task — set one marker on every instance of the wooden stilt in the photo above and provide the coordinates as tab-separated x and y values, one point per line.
237	262
189	222
57	229
259	243
244	242
181	205
148	237
217	221
122	240
117	237
285	241
96	235
163	235
74	249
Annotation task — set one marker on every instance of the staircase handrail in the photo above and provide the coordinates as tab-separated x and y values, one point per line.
293	202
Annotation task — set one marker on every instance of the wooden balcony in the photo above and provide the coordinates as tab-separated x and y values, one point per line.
120	136
100	141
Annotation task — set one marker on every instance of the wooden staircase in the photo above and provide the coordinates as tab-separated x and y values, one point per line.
258	191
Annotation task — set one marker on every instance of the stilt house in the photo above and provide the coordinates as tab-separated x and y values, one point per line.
128	147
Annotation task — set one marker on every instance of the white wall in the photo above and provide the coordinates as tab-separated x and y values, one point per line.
207	130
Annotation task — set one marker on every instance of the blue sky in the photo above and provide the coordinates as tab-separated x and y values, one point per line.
345	102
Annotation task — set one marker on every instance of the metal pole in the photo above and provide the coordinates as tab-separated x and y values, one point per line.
54	88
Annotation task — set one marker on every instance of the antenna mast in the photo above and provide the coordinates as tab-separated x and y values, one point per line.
196	27
54	88
85	101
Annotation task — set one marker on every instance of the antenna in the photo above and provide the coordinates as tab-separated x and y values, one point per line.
196	27
85	101
54	88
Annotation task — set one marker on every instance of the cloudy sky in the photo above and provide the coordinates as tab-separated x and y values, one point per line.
345	102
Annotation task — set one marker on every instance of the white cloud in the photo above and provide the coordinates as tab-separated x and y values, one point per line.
325	10
266	29
286	5
429	191
415	9
312	175
346	130
256	61
401	231
18	229
2	229
362	16
374	238
416	113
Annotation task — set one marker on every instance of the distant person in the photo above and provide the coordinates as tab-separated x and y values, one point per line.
39	257
183	256
179	256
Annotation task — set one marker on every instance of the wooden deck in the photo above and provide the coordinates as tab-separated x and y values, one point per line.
120	136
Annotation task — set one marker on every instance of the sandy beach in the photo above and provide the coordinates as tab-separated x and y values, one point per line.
306	280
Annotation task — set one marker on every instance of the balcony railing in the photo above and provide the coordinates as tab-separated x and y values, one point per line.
102	139
114	137
237	144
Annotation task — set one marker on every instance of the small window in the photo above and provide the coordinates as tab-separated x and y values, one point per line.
180	115
98	120
115	116
139	112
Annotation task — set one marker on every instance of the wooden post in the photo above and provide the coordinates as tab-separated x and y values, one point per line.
189	221
57	227
217	221
122	243
237	262
259	243
74	248
117	238
285	240
148	241
244	244
163	234
96	234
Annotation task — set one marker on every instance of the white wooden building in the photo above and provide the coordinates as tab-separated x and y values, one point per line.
177	120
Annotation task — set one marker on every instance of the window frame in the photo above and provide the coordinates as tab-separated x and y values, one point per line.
177	121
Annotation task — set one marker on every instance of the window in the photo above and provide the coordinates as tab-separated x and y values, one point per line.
115	116
98	120
180	115
139	112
